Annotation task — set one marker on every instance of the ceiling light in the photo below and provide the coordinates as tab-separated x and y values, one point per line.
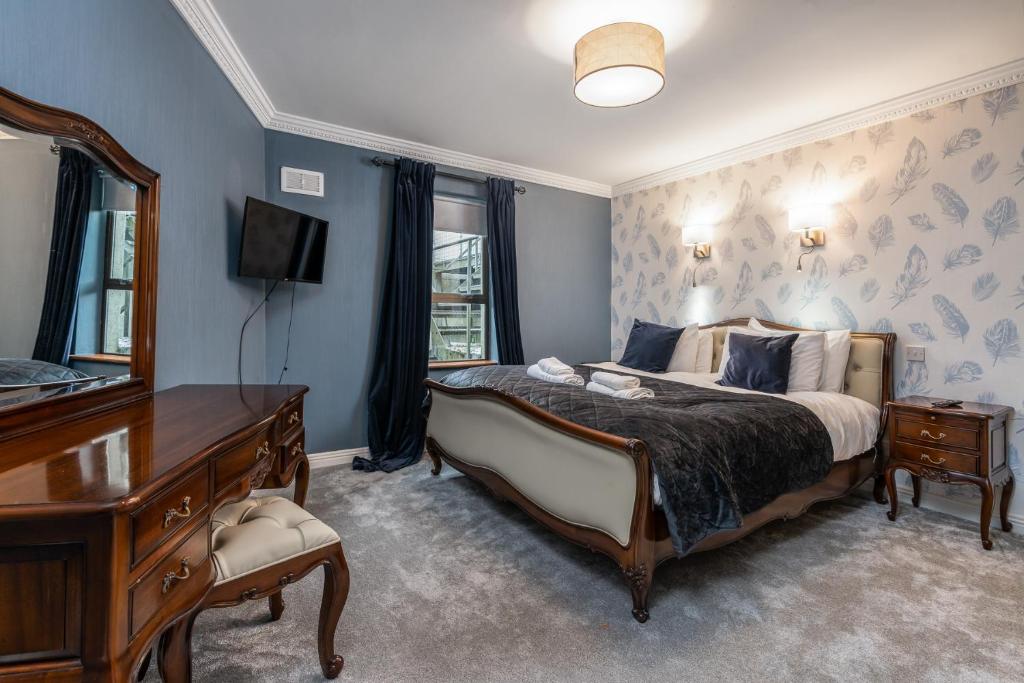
619	64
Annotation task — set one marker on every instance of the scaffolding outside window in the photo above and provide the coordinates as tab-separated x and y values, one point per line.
458	311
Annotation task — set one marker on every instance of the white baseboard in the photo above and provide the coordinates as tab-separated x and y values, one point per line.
966	510
332	458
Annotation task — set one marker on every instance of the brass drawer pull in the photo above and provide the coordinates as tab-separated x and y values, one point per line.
940	437
294	417
297	449
171	578
926	458
183	511
263	450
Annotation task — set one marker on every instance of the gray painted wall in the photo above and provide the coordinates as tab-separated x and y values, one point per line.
161	95
27	193
564	281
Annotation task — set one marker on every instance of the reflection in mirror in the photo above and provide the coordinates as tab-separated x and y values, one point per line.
67	263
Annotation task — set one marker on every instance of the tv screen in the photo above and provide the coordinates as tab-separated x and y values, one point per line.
281	244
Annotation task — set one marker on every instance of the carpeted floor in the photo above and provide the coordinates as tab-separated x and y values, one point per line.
450	585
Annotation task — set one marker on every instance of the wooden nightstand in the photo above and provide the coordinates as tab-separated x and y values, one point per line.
965	445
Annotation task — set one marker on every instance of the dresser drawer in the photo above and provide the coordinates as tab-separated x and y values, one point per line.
170	578
293	447
233	464
291	419
939	459
172	508
937	432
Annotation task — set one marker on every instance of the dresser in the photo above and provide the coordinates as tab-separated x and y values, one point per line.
105	522
962	445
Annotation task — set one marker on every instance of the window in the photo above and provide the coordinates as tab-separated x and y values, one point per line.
118	274
458	310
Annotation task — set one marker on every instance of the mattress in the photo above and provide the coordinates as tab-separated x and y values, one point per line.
852	423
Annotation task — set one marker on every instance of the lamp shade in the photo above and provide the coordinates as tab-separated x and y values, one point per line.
697	233
619	64
809	217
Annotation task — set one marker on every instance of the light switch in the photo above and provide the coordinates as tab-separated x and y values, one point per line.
915	353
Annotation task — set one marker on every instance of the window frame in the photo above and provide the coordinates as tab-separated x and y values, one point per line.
112	284
483	298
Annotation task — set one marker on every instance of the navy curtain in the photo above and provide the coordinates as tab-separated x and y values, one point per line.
396	421
501	247
67	245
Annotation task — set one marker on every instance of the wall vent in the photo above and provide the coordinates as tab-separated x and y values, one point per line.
298	181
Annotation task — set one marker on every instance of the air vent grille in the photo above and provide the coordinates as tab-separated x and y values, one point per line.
298	181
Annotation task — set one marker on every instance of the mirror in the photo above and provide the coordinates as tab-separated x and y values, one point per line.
67	262
77	251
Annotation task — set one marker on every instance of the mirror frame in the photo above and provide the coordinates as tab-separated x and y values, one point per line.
77	131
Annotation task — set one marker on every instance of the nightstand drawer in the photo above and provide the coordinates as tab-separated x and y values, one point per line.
938	433
933	457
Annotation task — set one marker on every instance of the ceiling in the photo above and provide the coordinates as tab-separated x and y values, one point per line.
494	79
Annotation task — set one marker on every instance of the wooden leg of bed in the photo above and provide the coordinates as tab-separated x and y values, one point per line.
639	580
435	459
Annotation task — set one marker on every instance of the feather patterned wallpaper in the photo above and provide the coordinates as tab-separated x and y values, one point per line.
926	241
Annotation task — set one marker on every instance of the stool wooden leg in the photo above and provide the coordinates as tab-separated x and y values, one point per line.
175	652
336	581
276	605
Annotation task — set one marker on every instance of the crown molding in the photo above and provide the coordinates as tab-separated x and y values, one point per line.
202	18
898	107
204	21
299	125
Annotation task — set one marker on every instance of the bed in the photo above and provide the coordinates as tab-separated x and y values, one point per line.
585	467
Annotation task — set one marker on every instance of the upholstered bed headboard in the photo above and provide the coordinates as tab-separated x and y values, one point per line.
868	373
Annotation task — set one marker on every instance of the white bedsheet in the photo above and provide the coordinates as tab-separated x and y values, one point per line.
852	423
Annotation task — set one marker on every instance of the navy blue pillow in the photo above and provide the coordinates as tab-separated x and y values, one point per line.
650	346
759	363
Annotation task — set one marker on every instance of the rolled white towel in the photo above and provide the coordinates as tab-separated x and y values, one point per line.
535	372
632	393
616	382
553	366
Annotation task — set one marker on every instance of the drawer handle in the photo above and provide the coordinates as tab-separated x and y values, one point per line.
925	458
263	450
171	578
294	417
297	449
184	512
940	437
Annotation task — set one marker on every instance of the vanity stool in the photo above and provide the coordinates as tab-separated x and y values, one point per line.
262	544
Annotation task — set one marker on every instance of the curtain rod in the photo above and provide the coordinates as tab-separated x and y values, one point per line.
381	161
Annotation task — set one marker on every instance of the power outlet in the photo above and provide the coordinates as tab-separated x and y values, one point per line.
915	353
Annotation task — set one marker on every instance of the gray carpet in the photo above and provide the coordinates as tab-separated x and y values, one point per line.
450	585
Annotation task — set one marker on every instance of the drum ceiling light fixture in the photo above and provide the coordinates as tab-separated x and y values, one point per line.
619	64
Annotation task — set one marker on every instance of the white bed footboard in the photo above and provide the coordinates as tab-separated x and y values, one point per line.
583	483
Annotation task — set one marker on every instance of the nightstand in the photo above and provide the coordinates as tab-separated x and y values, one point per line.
965	445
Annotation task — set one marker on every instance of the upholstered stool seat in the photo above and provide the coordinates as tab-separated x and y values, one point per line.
258	532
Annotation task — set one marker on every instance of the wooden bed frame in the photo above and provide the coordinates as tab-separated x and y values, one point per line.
648	543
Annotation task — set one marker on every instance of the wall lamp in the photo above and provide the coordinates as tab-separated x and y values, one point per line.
810	221
698	236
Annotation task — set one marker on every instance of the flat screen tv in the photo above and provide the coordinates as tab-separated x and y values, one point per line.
281	244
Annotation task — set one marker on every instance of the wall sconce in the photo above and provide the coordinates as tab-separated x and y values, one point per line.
698	236
810	221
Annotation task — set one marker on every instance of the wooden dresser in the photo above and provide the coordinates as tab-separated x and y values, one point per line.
963	445
105	521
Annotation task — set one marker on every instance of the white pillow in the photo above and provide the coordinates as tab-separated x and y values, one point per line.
684	358
705	351
808	360
837	355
